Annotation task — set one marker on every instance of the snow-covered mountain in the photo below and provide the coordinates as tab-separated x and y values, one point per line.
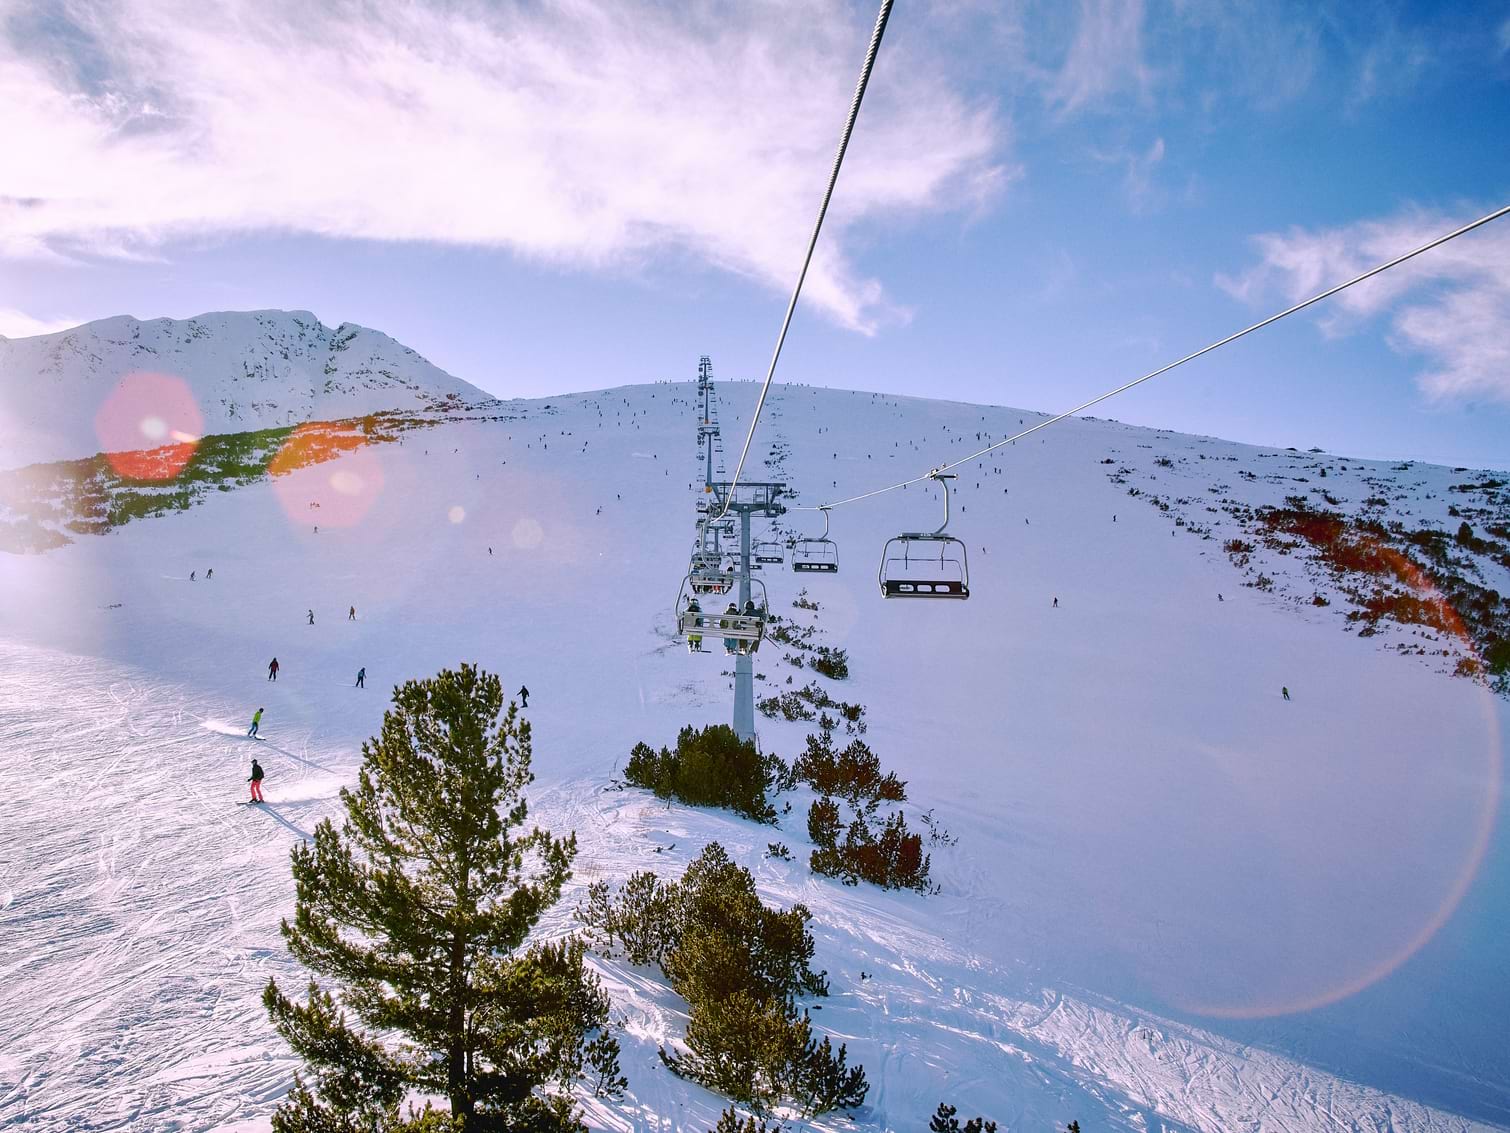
1169	899
89	389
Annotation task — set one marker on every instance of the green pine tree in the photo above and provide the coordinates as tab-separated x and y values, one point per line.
416	910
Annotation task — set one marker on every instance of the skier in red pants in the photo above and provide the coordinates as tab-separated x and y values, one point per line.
256	781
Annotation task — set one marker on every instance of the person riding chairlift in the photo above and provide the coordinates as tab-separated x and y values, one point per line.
750	612
731	645
694	634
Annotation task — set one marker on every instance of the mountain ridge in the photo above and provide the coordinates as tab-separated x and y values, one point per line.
83	390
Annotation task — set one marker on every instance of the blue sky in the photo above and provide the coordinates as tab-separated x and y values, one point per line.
1042	200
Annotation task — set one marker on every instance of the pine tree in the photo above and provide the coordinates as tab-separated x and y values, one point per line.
416	909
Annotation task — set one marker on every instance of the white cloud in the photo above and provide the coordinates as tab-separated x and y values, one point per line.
18	324
1450	305
1105	57
584	132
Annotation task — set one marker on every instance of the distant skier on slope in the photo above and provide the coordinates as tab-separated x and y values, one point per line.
311	617
272	669
362	677
351	616
256	777
209	574
192	573
524	697
256	723
1283	689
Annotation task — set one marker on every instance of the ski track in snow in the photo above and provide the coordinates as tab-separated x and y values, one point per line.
139	905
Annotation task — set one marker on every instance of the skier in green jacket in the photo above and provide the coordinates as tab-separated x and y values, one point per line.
256	721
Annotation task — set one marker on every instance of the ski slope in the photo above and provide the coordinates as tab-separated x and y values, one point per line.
1176	901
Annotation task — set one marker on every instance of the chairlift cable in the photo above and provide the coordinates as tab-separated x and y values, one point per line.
1396	262
833	178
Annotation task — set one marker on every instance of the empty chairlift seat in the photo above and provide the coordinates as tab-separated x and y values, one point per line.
925	564
816	556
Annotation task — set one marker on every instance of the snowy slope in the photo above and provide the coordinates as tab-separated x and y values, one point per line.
91	389
1176	901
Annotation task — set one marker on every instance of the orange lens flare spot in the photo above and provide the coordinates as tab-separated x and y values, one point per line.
149	427
326	474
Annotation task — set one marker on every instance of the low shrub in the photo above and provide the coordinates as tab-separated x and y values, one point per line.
740	966
831	662
945	1121
892	858
711	766
853	774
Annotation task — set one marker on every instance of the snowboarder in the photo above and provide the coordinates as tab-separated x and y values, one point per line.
351	616
311	617
1285	691
524	697
272	669
362	677
256	723
256	777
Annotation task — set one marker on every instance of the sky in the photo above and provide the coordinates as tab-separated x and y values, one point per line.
1041	201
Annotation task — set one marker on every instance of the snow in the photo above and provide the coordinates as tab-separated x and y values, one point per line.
1176	902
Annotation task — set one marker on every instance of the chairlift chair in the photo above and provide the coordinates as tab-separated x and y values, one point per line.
769	551
925	564
744	631
816	556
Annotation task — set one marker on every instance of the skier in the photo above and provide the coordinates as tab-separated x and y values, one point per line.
272	669
256	777
1056	603
362	677
192	574
352	615
1219	597
1285	690
731	645
694	635
256	723
209	574
524	697
311	617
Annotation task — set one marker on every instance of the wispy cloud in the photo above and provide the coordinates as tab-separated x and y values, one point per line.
584	132
18	324
1450	305
1105	57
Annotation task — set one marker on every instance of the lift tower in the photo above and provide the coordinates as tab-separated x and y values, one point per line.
748	499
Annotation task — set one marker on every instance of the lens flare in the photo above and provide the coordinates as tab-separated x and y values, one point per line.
456	514
1427	830
327	474
143	411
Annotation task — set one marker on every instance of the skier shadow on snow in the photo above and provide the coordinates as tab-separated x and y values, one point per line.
267	808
